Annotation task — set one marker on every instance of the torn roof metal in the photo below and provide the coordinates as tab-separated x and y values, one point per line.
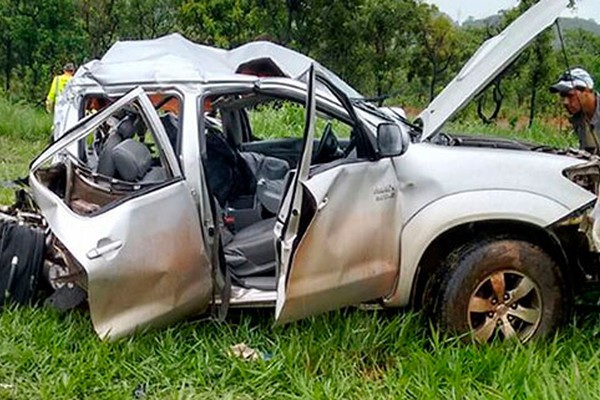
173	58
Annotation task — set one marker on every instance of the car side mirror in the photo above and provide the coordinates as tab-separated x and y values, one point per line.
391	141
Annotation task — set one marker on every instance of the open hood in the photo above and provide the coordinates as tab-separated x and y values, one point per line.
490	60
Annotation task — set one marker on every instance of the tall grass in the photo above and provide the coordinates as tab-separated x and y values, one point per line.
21	121
542	133
15	156
286	119
24	131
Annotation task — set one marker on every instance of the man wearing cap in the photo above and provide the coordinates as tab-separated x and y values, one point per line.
576	88
58	84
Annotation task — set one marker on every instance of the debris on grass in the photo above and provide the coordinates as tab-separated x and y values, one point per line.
140	391
245	352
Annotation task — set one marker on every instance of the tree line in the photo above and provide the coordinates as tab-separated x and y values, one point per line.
405	49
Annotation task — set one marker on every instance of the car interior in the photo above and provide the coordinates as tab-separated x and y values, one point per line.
247	168
118	158
248	171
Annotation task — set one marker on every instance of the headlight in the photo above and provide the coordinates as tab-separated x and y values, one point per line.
586	175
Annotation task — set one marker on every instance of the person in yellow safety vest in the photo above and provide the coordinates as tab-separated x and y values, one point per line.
58	84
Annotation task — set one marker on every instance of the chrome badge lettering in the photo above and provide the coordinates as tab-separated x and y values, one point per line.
384	192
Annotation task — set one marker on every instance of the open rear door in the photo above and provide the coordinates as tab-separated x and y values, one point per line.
139	243
338	232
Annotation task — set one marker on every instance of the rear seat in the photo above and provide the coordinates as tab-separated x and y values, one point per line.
125	130
131	161
127	159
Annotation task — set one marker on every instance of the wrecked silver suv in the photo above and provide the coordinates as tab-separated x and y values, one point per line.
173	195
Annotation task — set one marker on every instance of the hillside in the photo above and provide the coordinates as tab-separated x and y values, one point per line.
579	23
566	23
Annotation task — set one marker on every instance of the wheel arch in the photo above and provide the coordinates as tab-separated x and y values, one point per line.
449	240
431	233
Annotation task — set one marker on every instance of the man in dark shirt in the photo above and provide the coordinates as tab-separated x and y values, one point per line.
576	88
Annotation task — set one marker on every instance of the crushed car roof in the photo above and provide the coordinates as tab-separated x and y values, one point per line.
173	58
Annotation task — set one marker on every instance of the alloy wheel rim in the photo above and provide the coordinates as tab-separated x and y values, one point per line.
506	305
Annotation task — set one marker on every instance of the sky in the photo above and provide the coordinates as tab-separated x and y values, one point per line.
460	10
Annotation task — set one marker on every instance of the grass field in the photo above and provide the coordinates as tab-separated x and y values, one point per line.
351	353
24	132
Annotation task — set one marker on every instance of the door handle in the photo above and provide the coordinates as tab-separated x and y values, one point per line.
104	246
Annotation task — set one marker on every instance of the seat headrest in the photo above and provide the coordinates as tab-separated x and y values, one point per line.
126	127
132	160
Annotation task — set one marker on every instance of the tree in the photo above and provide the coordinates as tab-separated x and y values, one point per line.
439	48
384	43
100	20
223	23
146	19
7	40
537	64
583	48
32	53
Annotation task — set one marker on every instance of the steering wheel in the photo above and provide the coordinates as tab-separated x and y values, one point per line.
328	147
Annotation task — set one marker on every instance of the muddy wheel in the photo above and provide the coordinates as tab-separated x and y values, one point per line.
501	289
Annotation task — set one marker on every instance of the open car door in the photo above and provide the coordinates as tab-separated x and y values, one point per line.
337	231
138	240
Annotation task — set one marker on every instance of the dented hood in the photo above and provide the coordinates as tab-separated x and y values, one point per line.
490	60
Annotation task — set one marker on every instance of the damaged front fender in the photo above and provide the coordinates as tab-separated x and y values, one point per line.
587	176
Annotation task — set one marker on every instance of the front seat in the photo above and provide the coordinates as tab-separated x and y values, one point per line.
250	255
228	175
270	174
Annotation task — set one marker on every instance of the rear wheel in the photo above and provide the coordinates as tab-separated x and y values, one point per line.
501	289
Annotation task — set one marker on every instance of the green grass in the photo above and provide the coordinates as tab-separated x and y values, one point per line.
21	121
351	353
268	119
24	131
538	133
15	156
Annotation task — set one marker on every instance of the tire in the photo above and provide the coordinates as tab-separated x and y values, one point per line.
501	289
